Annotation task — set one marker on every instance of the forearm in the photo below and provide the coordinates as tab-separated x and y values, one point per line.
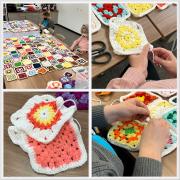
132	78
147	167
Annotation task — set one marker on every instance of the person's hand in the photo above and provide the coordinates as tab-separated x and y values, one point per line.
167	59
154	139
140	61
127	110
72	48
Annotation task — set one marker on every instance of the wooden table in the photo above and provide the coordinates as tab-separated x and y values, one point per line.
40	81
154	30
16	161
165	21
169	162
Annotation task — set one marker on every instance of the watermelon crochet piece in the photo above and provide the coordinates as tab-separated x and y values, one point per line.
126	134
65	151
42	117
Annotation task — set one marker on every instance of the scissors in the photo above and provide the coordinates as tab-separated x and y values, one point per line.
100	51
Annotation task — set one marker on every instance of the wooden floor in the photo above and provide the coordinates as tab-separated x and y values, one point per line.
169	162
16	161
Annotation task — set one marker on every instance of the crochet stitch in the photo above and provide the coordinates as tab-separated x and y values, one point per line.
126	37
64	152
145	97
126	134
42	117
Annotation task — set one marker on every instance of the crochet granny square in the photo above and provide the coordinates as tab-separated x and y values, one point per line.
171	117
145	97
126	37
107	11
173	100
140	9
159	107
126	134
65	151
42	117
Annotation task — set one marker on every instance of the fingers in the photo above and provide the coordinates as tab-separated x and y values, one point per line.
163	53
159	60
145	50
142	111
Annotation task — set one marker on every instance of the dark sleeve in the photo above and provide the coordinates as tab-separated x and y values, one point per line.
147	167
98	119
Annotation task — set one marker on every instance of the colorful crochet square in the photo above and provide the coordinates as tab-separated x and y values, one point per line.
30	55
65	151
171	117
128	37
144	97
140	9
158	108
126	134
106	11
42	117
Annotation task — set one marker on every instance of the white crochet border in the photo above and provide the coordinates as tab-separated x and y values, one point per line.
171	100
122	145
95	21
23	124
160	111
36	167
122	98
166	94
114	25
107	24
142	14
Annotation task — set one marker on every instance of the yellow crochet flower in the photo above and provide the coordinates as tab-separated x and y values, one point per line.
139	8
44	114
128	37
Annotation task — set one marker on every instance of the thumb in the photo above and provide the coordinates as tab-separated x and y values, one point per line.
145	50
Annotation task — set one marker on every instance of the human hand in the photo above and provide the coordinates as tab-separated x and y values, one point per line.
154	139
140	61
127	110
72	48
167	59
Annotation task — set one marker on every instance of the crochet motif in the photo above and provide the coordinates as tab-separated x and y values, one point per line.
145	97
64	152
140	9
42	117
171	117
126	134
126	37
107	11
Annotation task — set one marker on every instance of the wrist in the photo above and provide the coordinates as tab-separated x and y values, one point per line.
152	153
109	114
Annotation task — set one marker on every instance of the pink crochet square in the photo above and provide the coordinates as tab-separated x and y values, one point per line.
63	150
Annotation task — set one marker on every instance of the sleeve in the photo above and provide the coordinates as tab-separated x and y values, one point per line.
132	78
75	43
98	119
147	167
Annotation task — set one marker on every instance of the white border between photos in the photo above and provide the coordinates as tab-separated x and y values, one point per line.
75	90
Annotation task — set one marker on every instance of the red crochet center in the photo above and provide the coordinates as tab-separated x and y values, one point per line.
40	125
63	150
109	7
148	98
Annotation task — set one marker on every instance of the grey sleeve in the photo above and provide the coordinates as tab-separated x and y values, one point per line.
147	167
98	119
